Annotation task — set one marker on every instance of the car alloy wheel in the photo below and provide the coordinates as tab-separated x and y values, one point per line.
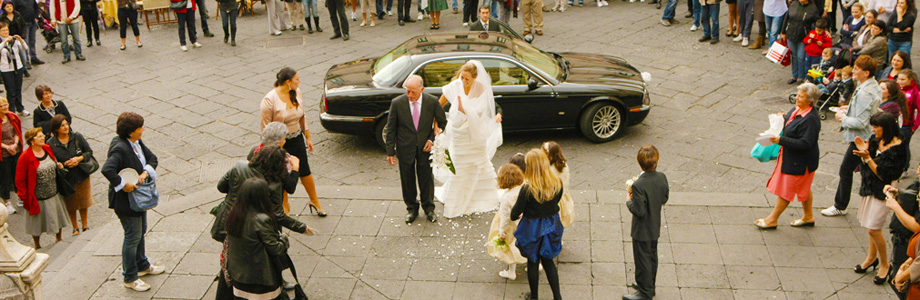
602	122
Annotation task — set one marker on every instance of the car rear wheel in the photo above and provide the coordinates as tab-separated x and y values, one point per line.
379	133
602	122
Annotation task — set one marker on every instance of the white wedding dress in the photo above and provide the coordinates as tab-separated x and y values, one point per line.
473	138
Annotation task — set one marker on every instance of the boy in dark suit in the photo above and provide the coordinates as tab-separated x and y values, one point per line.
646	196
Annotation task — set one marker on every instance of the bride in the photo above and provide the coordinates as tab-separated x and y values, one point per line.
474	135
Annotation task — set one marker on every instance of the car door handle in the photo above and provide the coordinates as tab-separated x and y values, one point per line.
496	96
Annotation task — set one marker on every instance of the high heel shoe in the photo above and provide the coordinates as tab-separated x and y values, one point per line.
323	214
881	280
859	269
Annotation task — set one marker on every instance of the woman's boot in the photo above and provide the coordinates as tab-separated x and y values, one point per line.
309	25
316	20
758	42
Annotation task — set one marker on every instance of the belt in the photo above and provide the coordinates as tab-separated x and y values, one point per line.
293	134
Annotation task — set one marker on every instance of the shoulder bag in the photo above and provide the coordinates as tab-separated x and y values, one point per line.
180	5
64	187
144	197
89	164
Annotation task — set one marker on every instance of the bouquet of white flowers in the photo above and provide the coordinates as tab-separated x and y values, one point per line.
498	243
630	182
440	155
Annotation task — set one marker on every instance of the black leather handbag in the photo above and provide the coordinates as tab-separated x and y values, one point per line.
178	5
64	187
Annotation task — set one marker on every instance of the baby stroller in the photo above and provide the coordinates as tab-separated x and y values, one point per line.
50	33
825	101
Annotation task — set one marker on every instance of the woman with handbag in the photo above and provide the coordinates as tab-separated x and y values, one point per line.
72	150
11	128
37	184
127	151
798	159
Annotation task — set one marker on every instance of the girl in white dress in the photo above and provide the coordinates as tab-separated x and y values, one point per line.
560	167
474	135
510	179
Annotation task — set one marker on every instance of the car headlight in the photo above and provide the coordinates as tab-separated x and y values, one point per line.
646	76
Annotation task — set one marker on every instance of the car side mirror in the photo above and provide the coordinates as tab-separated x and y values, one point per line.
532	84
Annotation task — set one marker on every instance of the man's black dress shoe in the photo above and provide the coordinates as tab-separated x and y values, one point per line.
431	217
37	61
636	296
704	39
636	286
411	217
345	38
335	36
401	23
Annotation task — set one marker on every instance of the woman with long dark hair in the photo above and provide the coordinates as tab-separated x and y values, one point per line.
254	239
284	104
897	61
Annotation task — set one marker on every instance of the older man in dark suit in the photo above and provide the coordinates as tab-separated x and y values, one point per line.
646	196
485	22
409	136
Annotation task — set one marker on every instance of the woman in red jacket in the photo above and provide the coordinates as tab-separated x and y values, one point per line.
36	185
11	128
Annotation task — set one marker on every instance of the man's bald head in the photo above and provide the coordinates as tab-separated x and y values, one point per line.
414	87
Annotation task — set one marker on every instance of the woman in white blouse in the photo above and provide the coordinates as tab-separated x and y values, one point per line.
284	104
12	66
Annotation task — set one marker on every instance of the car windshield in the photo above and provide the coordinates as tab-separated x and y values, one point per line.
538	59
389	66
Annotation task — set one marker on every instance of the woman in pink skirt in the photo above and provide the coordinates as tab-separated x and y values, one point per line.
798	159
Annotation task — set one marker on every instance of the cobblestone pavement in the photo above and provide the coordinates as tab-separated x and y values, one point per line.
709	103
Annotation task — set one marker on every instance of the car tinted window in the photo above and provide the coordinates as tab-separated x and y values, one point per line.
439	73
504	72
537	59
390	65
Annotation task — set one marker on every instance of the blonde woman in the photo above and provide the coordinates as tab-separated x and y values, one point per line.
36	185
539	234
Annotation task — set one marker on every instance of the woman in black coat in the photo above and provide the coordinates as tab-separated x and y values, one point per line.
797	161
47	109
122	155
798	22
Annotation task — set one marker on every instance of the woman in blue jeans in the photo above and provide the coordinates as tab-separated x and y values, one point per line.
773	12
228	13
798	22
901	26
709	16
309	9
128	151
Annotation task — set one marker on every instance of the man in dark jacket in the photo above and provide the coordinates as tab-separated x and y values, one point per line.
646	196
28	9
410	136
485	22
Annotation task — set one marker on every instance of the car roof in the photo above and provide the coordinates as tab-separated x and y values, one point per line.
446	43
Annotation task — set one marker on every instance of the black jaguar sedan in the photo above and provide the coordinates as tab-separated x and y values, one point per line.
596	94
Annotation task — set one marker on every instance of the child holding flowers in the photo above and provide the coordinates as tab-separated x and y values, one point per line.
501	234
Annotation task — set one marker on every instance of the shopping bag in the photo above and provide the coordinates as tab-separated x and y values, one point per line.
779	53
765	153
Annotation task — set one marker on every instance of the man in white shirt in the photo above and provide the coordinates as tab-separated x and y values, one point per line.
65	14
484	24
